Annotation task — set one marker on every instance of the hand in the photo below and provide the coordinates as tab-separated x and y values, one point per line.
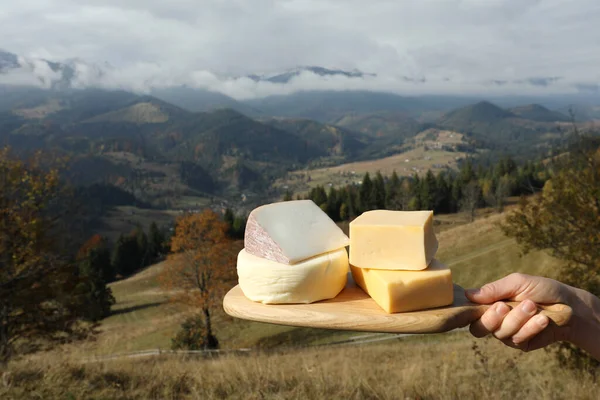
520	327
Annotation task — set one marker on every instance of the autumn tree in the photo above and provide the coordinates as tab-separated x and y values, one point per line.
201	266
37	276
565	220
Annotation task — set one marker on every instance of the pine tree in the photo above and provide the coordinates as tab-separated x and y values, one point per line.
391	193
352	203
94	297
366	192
378	192
288	196
332	208
428	191
416	193
455	194
126	255
156	242
239	227
143	248
229	216
344	212
318	195
467	173
442	197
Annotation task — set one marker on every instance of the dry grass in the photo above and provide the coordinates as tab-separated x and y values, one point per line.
444	366
477	253
440	367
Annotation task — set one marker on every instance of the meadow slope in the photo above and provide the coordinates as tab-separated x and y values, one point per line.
144	319
441	366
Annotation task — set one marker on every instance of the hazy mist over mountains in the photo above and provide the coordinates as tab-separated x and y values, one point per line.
79	74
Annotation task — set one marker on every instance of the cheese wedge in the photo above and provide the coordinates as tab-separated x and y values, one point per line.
396	240
401	291
291	231
318	278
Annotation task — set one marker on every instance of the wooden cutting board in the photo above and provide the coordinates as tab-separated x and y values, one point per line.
354	310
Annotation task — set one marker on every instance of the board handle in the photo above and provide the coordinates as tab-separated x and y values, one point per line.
558	313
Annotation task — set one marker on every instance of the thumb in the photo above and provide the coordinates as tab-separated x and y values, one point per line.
503	289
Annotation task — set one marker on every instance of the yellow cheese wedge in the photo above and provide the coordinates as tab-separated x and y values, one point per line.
401	291
396	240
270	282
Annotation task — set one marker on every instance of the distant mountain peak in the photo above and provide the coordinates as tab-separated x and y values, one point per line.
539	113
483	111
288	75
51	74
8	60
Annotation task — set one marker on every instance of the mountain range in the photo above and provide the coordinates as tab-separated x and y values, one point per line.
217	145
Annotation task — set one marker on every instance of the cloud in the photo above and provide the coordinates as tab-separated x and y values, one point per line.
445	46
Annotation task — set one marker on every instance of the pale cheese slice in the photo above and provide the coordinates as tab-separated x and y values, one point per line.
318	278
401	291
292	231
396	240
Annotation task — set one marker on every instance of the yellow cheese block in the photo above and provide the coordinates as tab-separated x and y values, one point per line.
396	240
401	291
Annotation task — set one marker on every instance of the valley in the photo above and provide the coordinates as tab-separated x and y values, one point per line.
433	149
142	160
195	151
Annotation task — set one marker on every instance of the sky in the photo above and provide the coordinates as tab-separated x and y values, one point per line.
413	46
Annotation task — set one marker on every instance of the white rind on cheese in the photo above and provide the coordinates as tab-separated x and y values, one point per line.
394	240
269	282
292	231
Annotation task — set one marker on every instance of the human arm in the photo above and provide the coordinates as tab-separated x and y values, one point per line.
521	328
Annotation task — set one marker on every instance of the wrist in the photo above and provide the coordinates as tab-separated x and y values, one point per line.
584	326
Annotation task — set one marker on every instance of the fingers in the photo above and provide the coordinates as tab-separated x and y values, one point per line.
535	341
530	329
490	321
519	328
502	289
516	319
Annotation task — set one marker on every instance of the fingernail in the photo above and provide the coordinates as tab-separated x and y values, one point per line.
473	292
517	340
542	320
501	309
528	306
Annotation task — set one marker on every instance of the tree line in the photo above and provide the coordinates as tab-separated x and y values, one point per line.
50	279
449	191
